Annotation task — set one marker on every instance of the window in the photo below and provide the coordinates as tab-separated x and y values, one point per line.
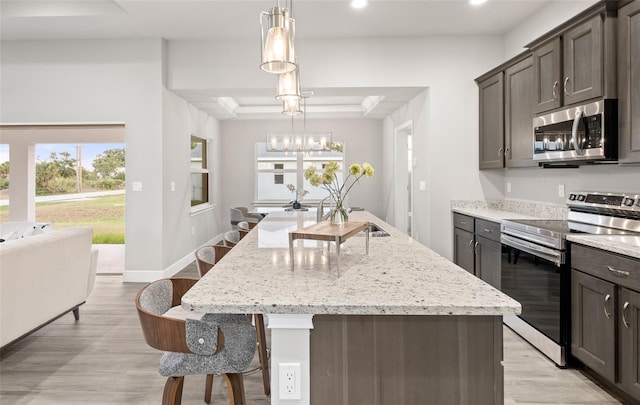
199	171
277	169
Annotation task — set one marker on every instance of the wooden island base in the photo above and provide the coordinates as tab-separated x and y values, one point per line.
406	360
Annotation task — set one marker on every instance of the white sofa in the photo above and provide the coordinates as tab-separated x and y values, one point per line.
42	277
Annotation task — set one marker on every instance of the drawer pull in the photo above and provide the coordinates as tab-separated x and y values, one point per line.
488	230
624	310
463	222
618	272
606	299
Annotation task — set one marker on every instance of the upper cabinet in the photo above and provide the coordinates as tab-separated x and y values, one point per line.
576	62
629	82
491	90
506	114
518	113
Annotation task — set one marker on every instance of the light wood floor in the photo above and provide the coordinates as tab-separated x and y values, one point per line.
103	359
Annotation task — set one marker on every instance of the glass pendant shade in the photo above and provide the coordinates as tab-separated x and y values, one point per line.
291	107
278	55
289	86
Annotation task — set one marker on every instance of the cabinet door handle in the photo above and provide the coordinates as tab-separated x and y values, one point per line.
499	152
475	248
471	245
553	90
566	81
606	299
617	272
624	310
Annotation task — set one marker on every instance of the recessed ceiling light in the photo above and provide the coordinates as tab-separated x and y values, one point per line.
477	2
359	3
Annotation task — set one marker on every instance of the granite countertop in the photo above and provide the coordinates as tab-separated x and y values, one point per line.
499	210
628	245
400	276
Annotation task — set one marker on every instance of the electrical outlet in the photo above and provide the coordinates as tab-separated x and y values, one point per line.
289	379
560	190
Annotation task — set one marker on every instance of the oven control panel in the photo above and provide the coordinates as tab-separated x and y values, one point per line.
616	201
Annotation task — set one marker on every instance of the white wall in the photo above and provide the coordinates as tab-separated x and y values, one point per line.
363	143
112	81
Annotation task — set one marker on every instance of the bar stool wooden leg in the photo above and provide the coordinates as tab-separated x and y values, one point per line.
172	394
208	389
235	388
262	353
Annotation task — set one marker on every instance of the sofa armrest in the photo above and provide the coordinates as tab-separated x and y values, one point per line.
93	265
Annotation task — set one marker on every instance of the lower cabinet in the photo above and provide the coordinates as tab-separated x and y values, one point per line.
605	312
593	326
488	261
629	310
477	247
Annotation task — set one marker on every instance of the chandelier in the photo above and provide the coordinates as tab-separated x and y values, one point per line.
298	141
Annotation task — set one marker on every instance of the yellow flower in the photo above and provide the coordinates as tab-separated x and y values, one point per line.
355	169
331	168
368	169
315	179
327	177
311	170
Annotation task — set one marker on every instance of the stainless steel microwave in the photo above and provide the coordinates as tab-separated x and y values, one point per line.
582	134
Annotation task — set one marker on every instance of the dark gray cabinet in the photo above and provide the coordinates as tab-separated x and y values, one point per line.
477	247
506	113
593	327
605	311
488	260
583	61
547	76
518	114
629	82
491	92
629	356
576	61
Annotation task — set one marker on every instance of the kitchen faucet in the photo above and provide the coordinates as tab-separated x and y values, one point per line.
320	216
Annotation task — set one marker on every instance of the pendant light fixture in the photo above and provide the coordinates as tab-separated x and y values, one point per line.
277	34
291	107
289	85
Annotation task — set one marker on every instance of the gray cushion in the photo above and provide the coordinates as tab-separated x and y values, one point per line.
157	297
236	355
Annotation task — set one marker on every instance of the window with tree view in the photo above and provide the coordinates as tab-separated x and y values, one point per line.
199	171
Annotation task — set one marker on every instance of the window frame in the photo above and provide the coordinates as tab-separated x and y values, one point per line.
204	171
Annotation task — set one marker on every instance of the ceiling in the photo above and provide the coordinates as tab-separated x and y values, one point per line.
238	19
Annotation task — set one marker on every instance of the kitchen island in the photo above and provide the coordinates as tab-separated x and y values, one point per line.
401	325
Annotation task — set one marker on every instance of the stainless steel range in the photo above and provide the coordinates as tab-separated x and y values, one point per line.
536	269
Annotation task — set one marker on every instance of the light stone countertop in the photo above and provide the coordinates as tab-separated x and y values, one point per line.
627	245
400	276
499	210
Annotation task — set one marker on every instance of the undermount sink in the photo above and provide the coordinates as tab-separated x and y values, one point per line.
375	231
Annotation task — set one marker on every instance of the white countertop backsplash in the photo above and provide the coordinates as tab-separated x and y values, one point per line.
499	210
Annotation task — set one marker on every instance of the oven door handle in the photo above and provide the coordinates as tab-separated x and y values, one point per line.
554	256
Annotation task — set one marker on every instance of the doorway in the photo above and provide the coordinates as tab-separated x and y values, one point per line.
403	178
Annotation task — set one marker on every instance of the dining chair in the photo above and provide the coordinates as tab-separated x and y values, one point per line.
231	238
238	214
208	256
243	229
194	343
